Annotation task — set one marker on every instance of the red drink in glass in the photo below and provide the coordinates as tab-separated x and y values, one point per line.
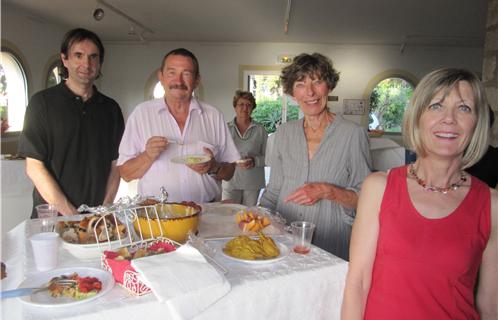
301	249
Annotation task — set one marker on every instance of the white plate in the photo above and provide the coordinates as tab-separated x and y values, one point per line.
284	251
43	299
241	161
191	159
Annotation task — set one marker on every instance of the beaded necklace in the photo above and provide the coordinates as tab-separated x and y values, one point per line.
431	188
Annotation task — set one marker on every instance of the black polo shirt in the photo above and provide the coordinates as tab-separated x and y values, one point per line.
76	140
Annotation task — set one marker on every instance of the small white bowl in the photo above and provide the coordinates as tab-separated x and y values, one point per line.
94	250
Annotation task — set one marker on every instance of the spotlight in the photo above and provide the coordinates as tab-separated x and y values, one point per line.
98	14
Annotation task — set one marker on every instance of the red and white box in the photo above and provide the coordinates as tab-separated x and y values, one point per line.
124	273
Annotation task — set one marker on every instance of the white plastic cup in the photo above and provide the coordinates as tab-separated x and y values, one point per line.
302	233
48	215
45	250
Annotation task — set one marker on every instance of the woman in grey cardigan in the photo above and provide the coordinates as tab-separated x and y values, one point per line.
250	139
319	162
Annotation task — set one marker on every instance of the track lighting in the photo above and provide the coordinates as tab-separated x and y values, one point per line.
136	27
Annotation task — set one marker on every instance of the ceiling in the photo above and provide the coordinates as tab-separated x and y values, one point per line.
417	22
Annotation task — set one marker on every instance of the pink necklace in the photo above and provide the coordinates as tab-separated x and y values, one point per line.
432	188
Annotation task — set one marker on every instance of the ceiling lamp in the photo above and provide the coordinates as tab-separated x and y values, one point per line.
285	58
98	14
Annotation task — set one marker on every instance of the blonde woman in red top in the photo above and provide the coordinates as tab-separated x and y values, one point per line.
424	230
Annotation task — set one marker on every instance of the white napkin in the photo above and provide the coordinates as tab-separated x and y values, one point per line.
183	280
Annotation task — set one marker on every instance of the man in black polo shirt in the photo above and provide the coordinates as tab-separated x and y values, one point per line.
72	132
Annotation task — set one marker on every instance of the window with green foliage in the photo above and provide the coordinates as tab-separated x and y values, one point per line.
270	101
388	102
269	113
13	92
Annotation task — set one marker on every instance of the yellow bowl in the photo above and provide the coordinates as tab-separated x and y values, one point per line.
173	221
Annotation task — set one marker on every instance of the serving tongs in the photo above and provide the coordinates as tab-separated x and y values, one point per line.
66	283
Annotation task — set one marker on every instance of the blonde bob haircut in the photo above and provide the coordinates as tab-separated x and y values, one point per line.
446	79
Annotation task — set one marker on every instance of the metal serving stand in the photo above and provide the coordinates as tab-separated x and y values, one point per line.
127	211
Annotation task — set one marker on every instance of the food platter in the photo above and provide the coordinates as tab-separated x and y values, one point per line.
219	221
228	209
71	233
191	159
43	298
284	252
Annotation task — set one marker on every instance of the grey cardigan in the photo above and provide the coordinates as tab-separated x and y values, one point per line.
253	144
342	159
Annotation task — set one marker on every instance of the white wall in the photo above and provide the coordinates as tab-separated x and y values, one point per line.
129	66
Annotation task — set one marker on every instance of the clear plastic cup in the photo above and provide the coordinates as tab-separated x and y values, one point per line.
302	233
48	215
45	250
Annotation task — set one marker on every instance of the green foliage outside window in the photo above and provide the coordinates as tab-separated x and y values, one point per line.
3	100
269	113
388	102
267	90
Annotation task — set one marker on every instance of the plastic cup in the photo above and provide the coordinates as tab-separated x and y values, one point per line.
302	233
48	215
45	250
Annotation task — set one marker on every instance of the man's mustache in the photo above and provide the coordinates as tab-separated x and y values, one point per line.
178	86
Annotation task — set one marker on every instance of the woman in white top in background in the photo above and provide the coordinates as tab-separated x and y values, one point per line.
250	139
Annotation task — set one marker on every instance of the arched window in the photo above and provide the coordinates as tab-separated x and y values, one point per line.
53	77
13	92
388	101
158	91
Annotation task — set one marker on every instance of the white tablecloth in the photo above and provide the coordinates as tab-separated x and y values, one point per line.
297	287
16	193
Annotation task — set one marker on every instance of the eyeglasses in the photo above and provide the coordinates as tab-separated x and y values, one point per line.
242	104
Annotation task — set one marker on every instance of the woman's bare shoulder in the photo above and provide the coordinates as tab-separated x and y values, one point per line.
374	185
377	178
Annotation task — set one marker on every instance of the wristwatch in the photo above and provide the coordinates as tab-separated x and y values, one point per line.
217	168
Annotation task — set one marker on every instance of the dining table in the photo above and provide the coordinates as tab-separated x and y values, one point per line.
295	286
16	195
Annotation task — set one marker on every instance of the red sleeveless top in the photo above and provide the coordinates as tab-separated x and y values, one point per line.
427	268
